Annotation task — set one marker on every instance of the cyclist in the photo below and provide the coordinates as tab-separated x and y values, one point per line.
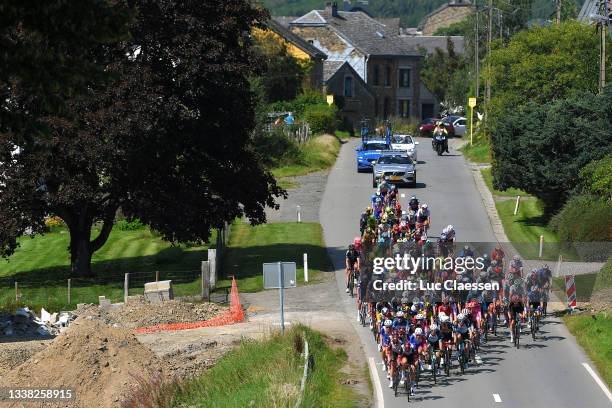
385	339
498	255
417	341
393	351
515	313
408	359
400	322
413	204
363	221
434	342
544	277
534	294
446	332
423	218
462	332
352	263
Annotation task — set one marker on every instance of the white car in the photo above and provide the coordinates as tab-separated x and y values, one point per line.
407	143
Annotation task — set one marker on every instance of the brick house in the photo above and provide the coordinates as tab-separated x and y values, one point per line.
445	15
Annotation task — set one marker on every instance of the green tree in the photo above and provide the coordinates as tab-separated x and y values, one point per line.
443	72
596	178
167	141
541	147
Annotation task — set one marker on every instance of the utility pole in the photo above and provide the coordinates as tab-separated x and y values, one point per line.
489	39
602	22
558	11
477	58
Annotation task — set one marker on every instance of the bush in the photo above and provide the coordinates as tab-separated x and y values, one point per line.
584	223
596	177
130	225
52	222
321	118
275	147
403	125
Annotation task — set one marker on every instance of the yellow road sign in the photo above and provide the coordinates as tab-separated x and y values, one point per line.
471	102
330	99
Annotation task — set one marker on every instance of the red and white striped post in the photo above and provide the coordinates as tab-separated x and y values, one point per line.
570	290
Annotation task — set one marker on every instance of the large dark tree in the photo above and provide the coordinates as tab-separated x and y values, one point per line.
168	141
541	148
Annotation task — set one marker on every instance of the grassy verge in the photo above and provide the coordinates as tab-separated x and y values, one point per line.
585	286
479	152
511	192
41	266
249	247
594	334
318	153
342	134
525	228
267	373
286	184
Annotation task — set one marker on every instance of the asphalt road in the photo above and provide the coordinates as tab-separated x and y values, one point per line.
546	373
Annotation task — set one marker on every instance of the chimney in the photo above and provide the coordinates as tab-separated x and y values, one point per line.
335	10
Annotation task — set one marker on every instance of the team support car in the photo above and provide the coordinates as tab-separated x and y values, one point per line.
396	167
406	143
368	153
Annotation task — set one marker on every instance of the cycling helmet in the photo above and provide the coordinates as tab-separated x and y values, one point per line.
486	256
516	258
351	247
418	331
399	314
517	281
483	274
467	247
494	263
413	198
450	227
461	317
433	327
424	206
388	323
420	316
443	318
413	308
384	310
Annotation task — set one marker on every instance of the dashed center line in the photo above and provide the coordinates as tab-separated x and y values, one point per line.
497	398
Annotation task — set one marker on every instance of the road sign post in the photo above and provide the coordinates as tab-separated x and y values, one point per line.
472	103
280	275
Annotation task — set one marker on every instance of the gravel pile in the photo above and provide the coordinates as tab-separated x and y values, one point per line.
25	323
140	313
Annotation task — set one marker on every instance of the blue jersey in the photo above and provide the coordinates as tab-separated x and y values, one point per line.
415	343
397	324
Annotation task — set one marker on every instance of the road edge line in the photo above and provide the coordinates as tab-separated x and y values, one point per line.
598	380
380	402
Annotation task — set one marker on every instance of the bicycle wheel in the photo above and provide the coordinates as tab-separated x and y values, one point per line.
418	373
517	333
433	366
395	380
351	284
446	362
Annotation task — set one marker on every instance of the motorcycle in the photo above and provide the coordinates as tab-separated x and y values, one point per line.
439	143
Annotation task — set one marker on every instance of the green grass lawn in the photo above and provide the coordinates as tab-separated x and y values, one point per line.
249	247
479	152
319	153
525	228
594	334
41	266
267	373
286	184
511	192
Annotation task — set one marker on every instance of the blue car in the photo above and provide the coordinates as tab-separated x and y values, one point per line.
369	152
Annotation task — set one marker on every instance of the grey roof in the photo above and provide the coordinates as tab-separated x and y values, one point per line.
330	68
431	42
284	20
589	7
296	40
362	31
390	23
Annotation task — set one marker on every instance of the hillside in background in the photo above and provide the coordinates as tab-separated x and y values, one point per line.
410	12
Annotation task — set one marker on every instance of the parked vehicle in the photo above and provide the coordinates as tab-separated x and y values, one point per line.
406	143
428	125
458	123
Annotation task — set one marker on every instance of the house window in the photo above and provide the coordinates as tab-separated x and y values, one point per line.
348	86
376	79
403	108
387	76
404	78
427	110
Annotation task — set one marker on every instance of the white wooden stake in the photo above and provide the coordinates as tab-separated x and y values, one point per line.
126	285
518	198
541	245
305	267
299	214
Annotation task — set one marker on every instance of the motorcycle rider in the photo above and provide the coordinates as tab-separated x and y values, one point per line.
440	130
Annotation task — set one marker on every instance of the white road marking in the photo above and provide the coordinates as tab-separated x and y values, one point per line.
380	403
598	381
497	398
403	195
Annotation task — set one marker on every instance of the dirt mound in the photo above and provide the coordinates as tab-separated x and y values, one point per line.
140	313
100	363
14	353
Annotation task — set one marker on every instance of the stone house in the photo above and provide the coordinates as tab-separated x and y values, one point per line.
445	15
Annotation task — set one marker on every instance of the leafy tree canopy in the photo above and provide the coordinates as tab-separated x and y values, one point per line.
167	141
541	148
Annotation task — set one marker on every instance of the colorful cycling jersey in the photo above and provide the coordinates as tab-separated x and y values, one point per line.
385	336
396	346
417	342
397	323
462	328
473	307
433	336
